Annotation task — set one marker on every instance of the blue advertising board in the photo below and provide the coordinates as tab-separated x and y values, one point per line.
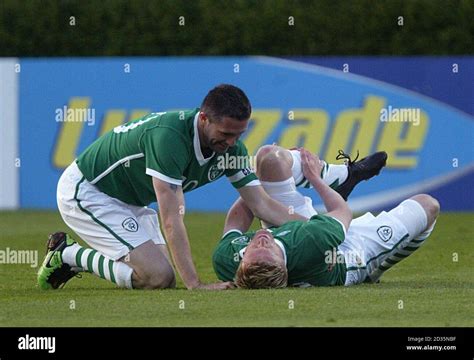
310	102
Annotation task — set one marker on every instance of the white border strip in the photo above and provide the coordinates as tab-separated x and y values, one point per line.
9	171
384	198
163	177
114	165
381	199
355	78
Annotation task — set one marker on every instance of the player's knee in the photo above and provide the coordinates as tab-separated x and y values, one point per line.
160	278
264	150
159	275
164	281
264	154
273	163
430	205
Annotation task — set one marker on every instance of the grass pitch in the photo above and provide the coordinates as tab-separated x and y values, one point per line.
433	287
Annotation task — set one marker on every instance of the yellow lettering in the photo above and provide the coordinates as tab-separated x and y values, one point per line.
310	134
115	118
354	129
356	126
112	119
403	136
70	133
263	122
138	113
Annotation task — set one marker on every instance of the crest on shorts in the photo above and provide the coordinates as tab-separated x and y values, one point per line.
214	172
385	233
130	224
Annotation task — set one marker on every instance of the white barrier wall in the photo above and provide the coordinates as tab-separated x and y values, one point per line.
9	156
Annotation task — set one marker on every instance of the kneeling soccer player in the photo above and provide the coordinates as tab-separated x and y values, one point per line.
327	249
110	256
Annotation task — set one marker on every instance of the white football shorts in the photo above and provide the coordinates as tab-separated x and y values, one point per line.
375	243
372	243
285	192
106	224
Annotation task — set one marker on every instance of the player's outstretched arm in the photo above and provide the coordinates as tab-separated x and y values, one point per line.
171	198
239	217
334	203
266	208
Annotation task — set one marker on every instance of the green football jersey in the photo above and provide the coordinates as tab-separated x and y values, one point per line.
309	246
122	162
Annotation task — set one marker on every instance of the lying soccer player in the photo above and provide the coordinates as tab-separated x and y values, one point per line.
326	250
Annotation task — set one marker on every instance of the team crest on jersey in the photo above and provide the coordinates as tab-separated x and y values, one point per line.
130	224
214	172
241	240
385	233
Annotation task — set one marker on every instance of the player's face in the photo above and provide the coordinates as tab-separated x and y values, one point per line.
264	248
220	135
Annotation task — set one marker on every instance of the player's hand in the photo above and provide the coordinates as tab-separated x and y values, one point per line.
311	164
216	286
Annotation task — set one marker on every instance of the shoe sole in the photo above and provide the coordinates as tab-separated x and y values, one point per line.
54	242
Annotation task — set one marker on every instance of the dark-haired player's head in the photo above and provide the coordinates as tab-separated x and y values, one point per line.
224	117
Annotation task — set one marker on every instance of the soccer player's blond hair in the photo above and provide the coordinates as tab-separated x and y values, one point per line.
261	275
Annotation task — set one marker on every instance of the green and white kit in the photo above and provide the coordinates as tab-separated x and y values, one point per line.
103	196
318	252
